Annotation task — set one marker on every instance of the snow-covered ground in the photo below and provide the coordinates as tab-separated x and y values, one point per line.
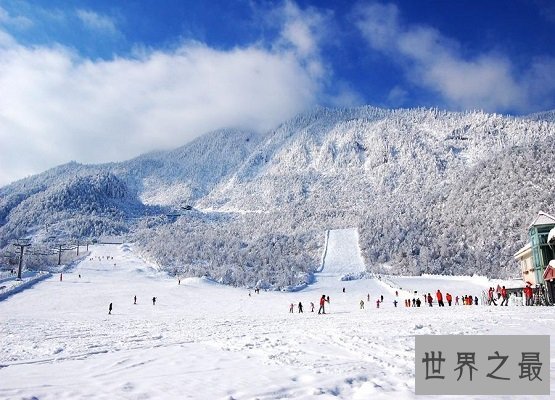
203	340
9	285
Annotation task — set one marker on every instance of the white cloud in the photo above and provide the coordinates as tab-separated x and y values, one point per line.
435	62
302	29
97	22
302	32
19	21
397	96
57	106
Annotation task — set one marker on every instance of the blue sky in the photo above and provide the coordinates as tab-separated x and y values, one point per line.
133	76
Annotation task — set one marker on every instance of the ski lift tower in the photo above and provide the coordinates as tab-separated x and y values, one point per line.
22	244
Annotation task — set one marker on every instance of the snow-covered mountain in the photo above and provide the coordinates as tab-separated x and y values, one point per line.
548	116
429	190
346	158
146	185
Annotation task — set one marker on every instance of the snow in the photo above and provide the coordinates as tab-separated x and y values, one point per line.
551	235
543	218
414	181
203	340
343	253
10	286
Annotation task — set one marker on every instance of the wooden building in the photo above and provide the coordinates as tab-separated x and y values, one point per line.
535	257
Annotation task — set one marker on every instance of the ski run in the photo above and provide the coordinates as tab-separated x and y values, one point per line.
203	340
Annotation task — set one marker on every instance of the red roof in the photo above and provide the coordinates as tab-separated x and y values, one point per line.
549	273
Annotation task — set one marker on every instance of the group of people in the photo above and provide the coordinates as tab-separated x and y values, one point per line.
99	258
428	298
501	295
322	310
110	307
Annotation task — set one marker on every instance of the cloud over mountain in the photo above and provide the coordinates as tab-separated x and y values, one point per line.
431	60
58	105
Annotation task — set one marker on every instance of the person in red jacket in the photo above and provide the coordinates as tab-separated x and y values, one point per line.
504	296
430	299
439	298
528	295
323	300
449	298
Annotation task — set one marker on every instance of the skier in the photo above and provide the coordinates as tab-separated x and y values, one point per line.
430	299
343	290
300	307
323	300
79	276
179	281
362	304
60	277
395	303
476	301
456	300
291	307
418	302
378	303
135	300
110	309
381	298
396	293
368	297
311	307
153	300
449	298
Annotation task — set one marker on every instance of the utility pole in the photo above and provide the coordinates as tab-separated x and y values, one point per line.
60	250
21	250
59	254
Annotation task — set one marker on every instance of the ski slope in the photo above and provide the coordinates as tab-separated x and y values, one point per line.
203	340
342	253
343	257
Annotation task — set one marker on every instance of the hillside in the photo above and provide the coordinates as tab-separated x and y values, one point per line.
172	178
548	116
429	190
345	158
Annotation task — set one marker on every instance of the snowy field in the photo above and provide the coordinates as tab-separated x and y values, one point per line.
202	340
